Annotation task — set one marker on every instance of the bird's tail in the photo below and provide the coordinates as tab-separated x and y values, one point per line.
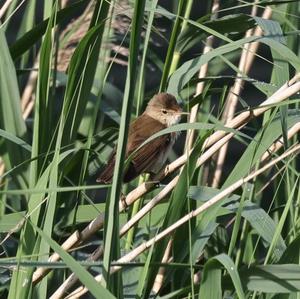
107	174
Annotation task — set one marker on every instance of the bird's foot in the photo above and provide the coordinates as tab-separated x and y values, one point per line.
123	201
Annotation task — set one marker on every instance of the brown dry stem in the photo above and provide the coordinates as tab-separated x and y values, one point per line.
247	57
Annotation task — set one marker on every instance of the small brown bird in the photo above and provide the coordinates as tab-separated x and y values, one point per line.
162	111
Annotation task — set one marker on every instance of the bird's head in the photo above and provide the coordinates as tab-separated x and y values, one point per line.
164	108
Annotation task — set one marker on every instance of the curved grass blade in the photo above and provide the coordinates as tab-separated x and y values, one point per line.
211	282
186	72
25	42
274	279
189	126
259	220
13	138
81	74
84	276
11	119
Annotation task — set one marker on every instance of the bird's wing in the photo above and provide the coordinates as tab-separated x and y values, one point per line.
144	158
107	174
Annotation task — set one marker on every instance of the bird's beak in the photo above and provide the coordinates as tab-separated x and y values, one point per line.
182	112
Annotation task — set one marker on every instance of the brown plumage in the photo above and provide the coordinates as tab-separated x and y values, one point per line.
162	111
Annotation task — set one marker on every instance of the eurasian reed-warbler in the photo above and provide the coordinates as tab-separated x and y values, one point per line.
161	112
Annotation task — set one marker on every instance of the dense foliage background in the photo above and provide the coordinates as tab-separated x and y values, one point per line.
221	220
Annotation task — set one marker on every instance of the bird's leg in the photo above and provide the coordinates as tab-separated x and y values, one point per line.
123	201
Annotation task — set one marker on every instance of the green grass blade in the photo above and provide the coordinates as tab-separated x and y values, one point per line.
142	73
11	119
25	42
27	24
111	242
211	281
84	276
174	35
81	74
42	117
142	281
274	279
88	123
16	140
39	145
281	223
21	286
185	73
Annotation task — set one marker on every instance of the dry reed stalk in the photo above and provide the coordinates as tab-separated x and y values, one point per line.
39	273
197	277
279	143
2	168
64	3
4	7
202	73
258	32
246	61
217	198
161	272
285	91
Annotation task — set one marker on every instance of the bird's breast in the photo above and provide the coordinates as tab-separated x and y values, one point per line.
173	120
161	159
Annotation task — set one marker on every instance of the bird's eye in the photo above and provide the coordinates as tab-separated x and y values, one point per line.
164	111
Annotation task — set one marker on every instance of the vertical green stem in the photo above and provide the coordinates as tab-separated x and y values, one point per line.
237	222
136	206
101	74
177	54
140	94
111	239
171	48
141	78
